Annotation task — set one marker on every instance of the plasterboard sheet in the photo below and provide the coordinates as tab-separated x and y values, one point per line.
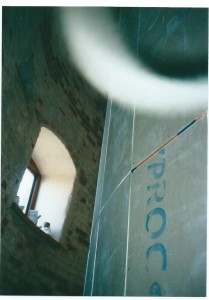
167	241
119	150
95	223
109	277
150	131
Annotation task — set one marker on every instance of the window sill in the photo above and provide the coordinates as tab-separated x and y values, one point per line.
22	220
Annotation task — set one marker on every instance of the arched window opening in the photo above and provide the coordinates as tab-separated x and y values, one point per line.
46	188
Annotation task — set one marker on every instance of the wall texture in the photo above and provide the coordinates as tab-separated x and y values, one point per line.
150	225
149	228
148	233
41	88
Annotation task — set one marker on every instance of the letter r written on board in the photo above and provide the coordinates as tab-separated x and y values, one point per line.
157	169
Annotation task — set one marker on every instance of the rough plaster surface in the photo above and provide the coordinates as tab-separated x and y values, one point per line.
52	157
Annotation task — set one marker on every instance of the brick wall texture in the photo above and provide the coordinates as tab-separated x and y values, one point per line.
40	87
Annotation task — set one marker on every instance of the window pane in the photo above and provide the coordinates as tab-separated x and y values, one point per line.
25	188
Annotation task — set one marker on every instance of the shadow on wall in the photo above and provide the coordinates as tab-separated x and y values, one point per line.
58	173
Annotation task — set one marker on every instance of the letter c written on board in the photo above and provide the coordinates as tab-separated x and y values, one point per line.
160	248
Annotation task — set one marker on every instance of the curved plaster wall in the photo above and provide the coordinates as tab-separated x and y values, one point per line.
58	174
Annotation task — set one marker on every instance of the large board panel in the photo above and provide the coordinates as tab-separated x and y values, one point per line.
119	150
167	240
150	131
95	223
109	277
